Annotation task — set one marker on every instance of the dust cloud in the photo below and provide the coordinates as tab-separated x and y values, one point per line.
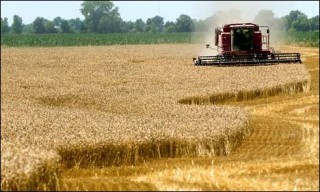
224	12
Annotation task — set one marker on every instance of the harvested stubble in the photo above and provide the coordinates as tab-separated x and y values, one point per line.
98	106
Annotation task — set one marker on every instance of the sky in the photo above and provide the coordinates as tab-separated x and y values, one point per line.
169	10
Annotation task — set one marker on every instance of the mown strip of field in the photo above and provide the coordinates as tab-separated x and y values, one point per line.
310	39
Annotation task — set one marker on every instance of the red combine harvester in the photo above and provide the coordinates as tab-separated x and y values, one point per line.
244	44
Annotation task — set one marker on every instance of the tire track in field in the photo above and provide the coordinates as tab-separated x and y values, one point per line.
297	127
286	137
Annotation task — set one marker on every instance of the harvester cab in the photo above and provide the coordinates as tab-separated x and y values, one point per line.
244	44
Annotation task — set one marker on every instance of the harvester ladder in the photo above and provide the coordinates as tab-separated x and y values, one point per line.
265	41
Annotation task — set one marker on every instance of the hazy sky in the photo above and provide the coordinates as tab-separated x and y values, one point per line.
169	10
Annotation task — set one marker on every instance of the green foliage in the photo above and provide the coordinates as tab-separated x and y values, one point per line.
127	26
101	16
49	25
39	25
170	27
4	26
301	23
57	21
184	24
298	21
310	39
314	23
65	27
50	40
17	25
155	24
293	16
27	29
140	26
199	25
76	24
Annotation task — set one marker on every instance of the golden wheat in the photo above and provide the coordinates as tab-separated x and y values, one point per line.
121	104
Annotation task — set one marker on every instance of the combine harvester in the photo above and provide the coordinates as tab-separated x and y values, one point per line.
244	44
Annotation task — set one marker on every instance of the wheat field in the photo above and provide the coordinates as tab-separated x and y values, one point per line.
83	110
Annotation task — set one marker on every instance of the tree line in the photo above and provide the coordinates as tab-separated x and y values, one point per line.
104	17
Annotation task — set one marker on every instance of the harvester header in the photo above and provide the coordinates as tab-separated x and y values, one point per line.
244	44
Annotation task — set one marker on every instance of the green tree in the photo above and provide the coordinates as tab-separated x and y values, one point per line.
301	24
140	25
107	25
293	17
76	24
83	28
50	28
39	25
199	25
57	21
65	27
28	28
4	25
170	26
101	16
314	23
155	24
17	25
127	26
184	23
